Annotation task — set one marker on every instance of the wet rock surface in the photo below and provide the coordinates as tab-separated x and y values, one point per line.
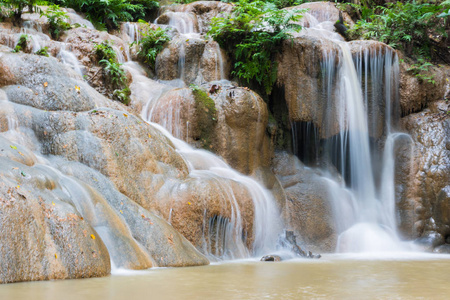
308	209
423	184
233	127
43	236
270	258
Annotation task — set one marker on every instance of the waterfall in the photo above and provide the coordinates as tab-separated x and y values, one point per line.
361	90
68	58
224	237
266	224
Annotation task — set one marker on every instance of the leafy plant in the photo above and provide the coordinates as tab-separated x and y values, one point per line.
422	71
106	14
406	26
22	43
123	95
18	7
57	20
105	51
252	35
43	51
151	43
113	72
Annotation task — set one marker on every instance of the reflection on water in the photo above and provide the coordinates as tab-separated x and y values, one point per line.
333	277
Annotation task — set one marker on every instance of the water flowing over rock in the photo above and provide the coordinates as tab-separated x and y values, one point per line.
88	185
195	16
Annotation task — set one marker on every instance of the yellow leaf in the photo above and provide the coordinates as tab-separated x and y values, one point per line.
21	153
125	115
77	88
53	203
56	256
13	147
121	211
45	84
149	136
92	236
189	203
17	186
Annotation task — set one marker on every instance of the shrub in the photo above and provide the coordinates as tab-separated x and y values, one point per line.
252	35
104	51
113	72
406	26
106	14
57	20
421	70
151	43
18	6
43	51
22	43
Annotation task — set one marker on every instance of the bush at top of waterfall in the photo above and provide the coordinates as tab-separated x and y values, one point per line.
252	35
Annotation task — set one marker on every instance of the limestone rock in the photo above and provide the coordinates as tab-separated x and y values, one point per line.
425	173
235	130
308	211
416	93
38	81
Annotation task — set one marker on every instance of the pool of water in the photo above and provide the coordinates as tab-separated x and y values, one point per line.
400	276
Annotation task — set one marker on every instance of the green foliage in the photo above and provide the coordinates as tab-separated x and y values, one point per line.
287	3
22	43
18	6
117	79
252	35
114	73
43	51
202	98
406	26
151	43
123	95
106	14
205	116
104	51
57	20
422	71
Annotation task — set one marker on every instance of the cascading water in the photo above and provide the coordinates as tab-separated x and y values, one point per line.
267	224
357	86
68	58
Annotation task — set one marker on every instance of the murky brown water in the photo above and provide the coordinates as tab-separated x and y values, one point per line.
333	277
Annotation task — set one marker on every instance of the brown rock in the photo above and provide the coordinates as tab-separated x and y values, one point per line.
308	211
425	177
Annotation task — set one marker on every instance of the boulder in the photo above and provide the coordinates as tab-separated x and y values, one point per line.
231	122
38	81
308	211
424	178
416	93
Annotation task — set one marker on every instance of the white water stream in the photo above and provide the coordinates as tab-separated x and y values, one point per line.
358	86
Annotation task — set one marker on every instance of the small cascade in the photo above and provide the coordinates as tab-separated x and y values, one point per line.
181	60
131	31
219	67
360	89
224	239
182	21
68	58
124	250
